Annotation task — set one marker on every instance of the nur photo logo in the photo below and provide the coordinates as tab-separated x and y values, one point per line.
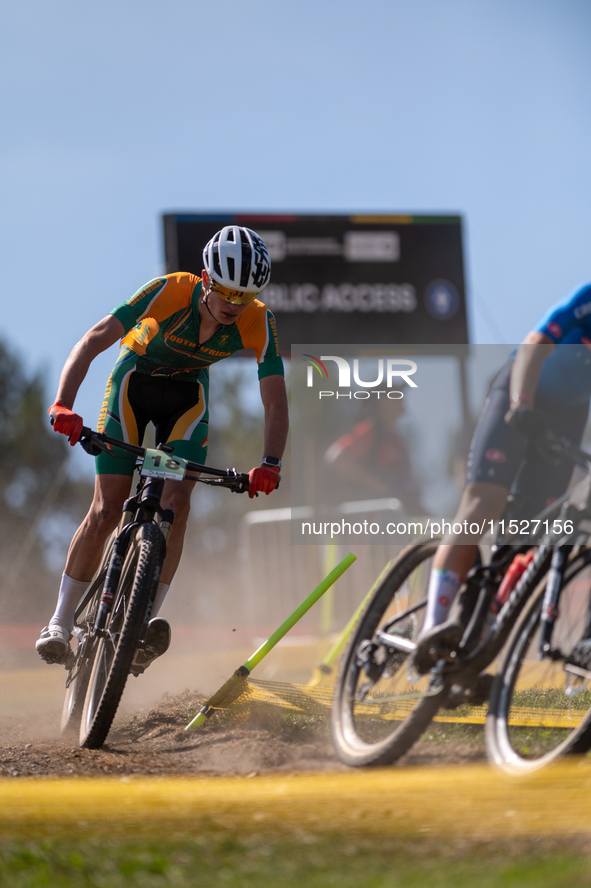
389	372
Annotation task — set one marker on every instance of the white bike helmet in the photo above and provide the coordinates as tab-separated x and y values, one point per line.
237	260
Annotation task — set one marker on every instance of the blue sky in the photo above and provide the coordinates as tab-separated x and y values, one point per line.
115	113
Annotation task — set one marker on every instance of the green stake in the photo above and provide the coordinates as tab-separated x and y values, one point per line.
232	689
325	668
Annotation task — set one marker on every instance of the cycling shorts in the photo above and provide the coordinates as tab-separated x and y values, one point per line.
500	455
178	410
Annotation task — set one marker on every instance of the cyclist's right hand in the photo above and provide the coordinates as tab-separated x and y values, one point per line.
66	422
263	479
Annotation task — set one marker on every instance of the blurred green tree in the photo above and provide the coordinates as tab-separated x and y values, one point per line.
40	505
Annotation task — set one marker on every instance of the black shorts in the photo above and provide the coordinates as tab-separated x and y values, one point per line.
178	410
500	455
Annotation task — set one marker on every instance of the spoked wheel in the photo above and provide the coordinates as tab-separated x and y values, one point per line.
380	707
539	711
114	652
84	648
76	685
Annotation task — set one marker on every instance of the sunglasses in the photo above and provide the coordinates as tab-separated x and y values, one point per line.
236	297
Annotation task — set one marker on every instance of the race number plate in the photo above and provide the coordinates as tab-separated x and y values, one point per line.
161	465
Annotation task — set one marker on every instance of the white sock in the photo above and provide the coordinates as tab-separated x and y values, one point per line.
443	588
160	596
70	593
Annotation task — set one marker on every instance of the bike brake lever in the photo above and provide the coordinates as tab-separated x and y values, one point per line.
93	447
235	487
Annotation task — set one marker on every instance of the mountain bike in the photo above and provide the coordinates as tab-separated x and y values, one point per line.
112	616
381	705
540	704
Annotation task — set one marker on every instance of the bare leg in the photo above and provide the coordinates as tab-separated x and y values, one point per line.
110	492
86	548
176	496
480	502
453	560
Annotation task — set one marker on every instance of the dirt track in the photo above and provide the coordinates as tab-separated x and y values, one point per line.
154	742
148	737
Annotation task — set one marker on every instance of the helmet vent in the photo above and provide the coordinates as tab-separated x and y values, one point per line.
216	260
231	268
231	236
246	259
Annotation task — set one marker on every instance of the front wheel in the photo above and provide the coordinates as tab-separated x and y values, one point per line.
379	706
539	711
115	651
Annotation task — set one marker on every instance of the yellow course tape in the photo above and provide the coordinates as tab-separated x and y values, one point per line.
305	698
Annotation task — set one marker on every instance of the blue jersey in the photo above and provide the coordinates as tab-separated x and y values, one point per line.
566	373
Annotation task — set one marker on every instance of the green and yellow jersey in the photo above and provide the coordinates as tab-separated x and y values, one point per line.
162	323
161	374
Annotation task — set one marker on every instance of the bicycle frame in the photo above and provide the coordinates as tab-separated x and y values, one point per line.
475	654
112	620
144	507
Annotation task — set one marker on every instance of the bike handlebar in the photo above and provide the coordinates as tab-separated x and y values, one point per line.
563	447
94	442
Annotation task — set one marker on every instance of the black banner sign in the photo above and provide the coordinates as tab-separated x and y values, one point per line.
347	279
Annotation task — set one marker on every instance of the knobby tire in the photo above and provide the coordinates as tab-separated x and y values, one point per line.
79	674
355	737
532	719
114	654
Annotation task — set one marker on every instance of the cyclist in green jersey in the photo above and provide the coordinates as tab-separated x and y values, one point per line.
171	331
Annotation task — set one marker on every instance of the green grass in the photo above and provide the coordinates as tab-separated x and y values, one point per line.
304	861
533	742
551	698
452	734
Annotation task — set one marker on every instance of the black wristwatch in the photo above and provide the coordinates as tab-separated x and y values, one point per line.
271	461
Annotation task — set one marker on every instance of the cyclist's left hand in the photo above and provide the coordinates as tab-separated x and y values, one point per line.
527	422
263	479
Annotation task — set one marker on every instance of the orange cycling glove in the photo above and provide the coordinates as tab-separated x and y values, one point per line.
264	479
66	422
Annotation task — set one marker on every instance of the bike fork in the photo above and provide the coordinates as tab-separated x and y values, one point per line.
551	598
112	579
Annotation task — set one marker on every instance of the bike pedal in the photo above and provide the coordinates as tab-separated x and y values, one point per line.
47	658
135	669
438	644
59	658
471	696
70	660
443	653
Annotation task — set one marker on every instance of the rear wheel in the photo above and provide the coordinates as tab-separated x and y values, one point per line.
539	711
380	707
79	671
115	651
76	685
